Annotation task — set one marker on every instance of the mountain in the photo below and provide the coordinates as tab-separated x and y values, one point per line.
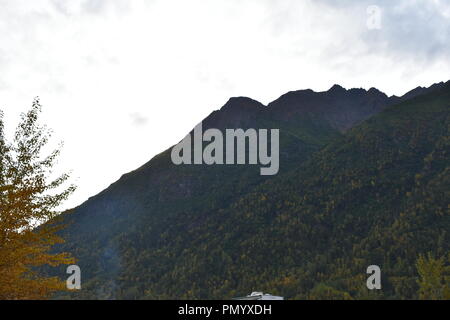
422	90
338	108
362	181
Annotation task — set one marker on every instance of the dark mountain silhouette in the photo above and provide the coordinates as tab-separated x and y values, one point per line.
422	90
339	108
361	181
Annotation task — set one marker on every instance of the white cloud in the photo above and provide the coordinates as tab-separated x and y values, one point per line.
96	64
138	119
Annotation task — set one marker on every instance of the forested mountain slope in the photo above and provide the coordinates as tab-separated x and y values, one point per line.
345	198
380	195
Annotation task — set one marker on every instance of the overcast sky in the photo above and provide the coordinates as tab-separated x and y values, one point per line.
122	80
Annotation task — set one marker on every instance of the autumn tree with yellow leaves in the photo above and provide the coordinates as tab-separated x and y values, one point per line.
434	279
29	201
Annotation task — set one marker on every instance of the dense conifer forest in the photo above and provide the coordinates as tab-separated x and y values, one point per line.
364	180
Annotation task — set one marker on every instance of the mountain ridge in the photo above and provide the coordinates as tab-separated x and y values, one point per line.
158	209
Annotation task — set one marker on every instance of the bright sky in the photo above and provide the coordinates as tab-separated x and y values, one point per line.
122	80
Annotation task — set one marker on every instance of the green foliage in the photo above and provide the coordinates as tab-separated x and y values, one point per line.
324	292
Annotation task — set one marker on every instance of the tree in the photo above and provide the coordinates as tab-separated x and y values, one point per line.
29	201
325	292
434	285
